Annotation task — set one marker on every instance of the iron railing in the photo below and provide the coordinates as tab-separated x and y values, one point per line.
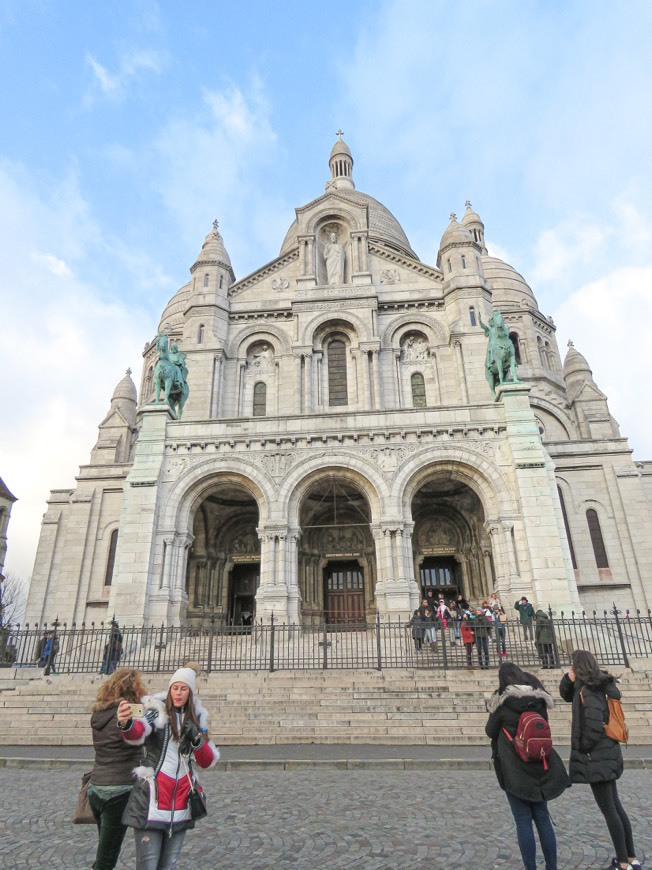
614	637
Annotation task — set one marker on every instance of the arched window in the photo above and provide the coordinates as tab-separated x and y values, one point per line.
149	381
597	540
206	280
260	399
472	317
463	261
200	334
542	353
513	337
450	268
110	562
337	386
418	390
221	281
567	527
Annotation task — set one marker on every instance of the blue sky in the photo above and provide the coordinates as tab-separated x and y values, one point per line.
127	127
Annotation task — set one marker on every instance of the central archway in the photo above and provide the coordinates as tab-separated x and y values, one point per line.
451	548
337	570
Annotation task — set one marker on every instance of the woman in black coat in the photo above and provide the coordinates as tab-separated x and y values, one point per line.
529	786
596	759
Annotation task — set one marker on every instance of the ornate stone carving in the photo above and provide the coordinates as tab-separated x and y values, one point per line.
280	284
261	359
277	464
390	276
414	349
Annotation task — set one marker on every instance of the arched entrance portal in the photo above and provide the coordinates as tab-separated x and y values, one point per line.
452	550
224	562
337	570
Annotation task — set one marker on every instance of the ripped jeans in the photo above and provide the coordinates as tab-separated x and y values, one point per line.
156	850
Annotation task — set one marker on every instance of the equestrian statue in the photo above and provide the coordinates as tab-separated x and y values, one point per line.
501	356
170	373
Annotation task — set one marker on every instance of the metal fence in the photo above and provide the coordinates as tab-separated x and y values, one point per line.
614	637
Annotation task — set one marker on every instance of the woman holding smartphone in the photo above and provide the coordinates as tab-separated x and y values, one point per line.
173	730
112	776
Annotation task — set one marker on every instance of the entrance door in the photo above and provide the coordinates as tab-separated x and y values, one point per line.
242	591
344	592
439	576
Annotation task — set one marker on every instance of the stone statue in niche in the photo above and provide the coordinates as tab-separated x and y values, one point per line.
334	257
262	358
415	349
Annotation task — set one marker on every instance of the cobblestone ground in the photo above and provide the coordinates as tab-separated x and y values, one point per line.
322	819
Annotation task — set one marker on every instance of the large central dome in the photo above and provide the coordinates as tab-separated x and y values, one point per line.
383	226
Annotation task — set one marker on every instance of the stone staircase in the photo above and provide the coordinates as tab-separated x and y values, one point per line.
289	707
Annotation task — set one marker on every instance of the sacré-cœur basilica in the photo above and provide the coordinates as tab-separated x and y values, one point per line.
335	445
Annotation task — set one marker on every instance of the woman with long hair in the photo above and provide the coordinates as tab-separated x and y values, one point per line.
173	730
528	785
597	760
112	776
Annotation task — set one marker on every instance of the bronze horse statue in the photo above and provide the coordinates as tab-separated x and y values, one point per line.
501	356
169	375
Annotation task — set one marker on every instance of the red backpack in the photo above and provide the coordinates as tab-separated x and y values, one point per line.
533	738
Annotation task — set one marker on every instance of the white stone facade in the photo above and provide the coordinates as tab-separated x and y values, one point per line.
340	449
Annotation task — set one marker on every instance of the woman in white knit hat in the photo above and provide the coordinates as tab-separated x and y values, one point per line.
174	731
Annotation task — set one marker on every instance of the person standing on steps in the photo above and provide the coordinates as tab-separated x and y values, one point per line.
596	760
526	616
528	785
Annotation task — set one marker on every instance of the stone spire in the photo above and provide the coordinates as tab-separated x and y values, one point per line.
341	166
471	220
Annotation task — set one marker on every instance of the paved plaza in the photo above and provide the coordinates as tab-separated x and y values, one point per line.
319	819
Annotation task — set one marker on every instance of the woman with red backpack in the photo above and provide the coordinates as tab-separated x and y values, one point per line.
596	758
529	782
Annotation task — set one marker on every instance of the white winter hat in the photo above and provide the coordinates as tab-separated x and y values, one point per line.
184	675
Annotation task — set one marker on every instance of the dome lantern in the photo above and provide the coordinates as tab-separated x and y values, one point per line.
341	166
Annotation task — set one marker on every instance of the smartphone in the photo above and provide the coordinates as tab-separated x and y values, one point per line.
136	711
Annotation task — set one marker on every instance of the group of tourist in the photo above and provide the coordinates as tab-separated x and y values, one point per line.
596	759
478	626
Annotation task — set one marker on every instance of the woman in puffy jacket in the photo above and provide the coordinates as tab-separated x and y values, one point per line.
596	760
529	785
112	776
174	728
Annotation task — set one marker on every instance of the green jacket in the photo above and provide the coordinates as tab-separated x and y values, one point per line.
525	612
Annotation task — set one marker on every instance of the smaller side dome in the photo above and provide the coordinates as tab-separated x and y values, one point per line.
455	234
213	251
125	397
507	286
576	364
172	317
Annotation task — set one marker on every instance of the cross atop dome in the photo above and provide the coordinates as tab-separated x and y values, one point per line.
215	224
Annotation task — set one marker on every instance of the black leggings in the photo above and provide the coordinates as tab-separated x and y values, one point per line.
620	829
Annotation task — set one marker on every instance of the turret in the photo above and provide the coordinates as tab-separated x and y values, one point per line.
212	275
459	253
117	430
471	220
586	400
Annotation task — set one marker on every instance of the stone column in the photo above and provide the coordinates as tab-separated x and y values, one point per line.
378	392
399	379
435	368
394	593
502	584
137	570
461	373
547	574
272	595
298	384
308	406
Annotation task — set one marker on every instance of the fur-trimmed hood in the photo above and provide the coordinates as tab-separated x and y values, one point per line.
157	702
519	691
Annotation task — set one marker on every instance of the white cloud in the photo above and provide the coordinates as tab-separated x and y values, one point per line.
212	163
608	321
115	85
69	344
